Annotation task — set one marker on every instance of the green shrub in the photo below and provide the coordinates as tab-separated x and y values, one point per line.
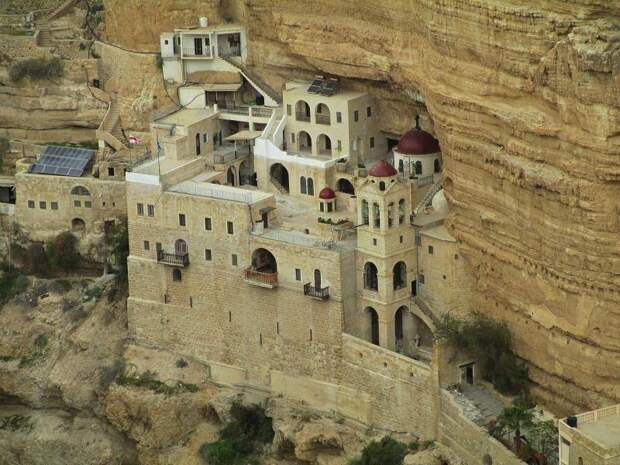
12	282
241	438
118	244
181	363
62	252
16	423
159	61
5	146
36	69
149	381
387	451
39	351
490	342
94	292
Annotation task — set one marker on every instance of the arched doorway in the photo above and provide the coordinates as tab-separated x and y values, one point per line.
405	332
310	186
400	275
317	279
180	247
373	325
279	174
304	141
197	144
322	114
230	176
78	225
344	185
324	145
302	111
371	280
437	165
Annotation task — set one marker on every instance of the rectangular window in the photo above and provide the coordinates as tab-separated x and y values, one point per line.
77	203
374	241
208	255
418	238
88	204
289	110
297	274
151	210
372	142
54	205
147	245
43	205
234	259
208	225
140	209
338	117
421	278
401	239
229	227
368	112
356	116
158	246
430	250
110	171
30	203
339	145
292	138
181	219
205	137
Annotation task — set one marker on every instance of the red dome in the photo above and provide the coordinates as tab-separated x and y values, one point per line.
382	169
327	193
417	142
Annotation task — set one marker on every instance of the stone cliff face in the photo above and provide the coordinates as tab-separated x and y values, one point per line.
525	100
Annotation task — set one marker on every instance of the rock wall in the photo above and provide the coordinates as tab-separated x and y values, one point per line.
525	101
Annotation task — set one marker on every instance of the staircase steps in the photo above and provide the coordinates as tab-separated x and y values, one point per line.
279	186
428	197
45	36
252	76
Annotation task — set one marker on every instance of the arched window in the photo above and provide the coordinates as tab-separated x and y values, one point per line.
180	247
302	185
279	176
402	211
304	141
310	186
401	167
371	280
324	145
437	165
376	215
80	190
322	114
263	261
176	275
390	213
400	275
344	185
302	111
381	186
418	167
364	212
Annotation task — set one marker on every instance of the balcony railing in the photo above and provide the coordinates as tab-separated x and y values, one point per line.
173	259
316	292
261	278
301	116
261	112
323	119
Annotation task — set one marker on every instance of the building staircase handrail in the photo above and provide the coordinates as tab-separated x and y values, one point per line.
428	197
253	79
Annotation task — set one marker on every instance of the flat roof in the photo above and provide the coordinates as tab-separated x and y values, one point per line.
219	191
605	431
438	232
186	116
301	88
227	27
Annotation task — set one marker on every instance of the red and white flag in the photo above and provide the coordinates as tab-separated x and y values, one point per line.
134	140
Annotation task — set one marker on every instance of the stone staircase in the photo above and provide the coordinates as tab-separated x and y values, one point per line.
279	186
45	36
428	197
110	129
253	77
489	405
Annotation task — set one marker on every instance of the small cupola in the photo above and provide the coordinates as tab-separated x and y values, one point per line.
382	170
327	200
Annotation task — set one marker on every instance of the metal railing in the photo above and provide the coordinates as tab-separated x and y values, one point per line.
301	116
173	259
261	277
323	119
316	292
261	112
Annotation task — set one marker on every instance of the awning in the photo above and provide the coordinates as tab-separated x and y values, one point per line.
221	87
244	135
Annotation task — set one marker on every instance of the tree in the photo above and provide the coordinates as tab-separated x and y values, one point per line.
515	419
62	251
118	244
544	437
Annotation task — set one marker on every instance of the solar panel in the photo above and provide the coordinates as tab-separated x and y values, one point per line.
316	85
63	161
330	87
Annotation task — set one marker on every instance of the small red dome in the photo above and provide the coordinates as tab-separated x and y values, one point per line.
417	142
382	169
327	193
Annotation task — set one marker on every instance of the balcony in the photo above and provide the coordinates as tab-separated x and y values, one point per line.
321	293
323	119
301	116
261	278
172	259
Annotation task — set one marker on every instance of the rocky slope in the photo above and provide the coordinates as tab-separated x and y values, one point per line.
525	100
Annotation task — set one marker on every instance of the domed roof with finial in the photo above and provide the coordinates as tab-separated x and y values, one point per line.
327	193
382	169
417	142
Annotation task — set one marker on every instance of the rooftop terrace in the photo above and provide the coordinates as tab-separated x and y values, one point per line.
600	426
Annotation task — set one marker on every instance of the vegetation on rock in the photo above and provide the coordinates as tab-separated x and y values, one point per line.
37	69
62	252
149	381
12	282
241	439
387	451
490	342
118	244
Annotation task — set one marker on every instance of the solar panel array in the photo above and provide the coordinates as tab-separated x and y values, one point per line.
324	86
63	161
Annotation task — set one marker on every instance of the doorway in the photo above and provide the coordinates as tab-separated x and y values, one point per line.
317	279
198	46
467	373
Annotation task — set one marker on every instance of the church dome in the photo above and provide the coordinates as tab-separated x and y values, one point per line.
327	193
382	169
417	142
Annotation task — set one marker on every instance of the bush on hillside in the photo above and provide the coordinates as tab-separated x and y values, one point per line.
62	252
387	451
37	69
118	244
12	282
